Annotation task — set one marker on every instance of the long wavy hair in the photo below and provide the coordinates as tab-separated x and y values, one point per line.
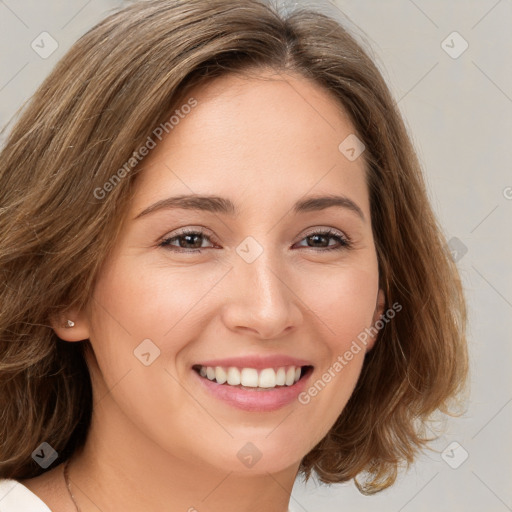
103	99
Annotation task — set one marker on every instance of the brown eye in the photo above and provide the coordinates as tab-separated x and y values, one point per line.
188	241
320	240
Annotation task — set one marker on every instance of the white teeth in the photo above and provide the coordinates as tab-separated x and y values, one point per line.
220	375
290	376
268	378
281	377
233	376
251	377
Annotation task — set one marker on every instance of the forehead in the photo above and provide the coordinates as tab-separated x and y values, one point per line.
264	137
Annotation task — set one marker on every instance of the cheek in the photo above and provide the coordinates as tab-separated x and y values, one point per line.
136	303
345	305
344	301
150	301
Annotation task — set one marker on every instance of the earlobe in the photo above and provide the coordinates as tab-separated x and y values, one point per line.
72	326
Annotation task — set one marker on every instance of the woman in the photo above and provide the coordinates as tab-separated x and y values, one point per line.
221	269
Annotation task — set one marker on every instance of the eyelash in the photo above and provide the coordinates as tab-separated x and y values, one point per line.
344	242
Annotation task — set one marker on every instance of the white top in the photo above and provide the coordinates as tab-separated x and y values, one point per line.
15	497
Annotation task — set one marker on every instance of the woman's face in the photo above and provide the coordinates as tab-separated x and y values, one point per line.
256	286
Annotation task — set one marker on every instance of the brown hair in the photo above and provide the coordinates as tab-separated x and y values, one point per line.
100	104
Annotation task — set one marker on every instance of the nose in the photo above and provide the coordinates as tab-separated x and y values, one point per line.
261	301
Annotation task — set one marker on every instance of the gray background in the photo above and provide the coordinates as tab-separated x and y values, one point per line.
459	114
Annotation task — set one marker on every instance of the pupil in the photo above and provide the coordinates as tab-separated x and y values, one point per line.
317	237
187	237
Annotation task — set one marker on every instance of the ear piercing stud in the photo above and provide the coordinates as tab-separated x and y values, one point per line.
69	324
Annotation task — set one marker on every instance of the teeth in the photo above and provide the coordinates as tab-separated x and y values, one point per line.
268	378
220	375
250	377
281	377
290	376
233	376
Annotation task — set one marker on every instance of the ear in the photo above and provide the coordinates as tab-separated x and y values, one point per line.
379	310
77	330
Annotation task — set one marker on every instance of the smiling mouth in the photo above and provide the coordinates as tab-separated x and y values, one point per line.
252	378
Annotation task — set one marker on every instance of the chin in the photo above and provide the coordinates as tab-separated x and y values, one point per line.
257	454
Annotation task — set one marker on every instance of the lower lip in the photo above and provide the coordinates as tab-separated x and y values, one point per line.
255	400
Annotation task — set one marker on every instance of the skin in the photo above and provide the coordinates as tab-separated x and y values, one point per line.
158	441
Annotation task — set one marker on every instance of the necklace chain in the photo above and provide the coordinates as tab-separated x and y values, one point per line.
68	485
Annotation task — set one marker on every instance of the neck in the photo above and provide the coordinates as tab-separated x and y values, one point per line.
118	464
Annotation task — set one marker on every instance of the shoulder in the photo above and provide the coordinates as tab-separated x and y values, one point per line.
16	497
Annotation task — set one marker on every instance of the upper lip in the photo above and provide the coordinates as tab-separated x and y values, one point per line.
255	361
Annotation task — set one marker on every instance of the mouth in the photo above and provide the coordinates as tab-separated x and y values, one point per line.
254	379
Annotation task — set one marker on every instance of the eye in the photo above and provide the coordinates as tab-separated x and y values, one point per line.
191	240
319	237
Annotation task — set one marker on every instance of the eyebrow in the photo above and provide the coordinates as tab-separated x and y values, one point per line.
216	204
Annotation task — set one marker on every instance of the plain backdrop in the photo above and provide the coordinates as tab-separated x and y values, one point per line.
448	65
